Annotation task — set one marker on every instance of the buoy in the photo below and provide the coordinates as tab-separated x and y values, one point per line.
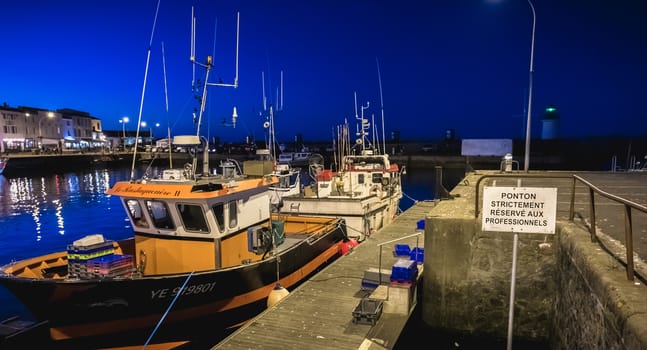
347	246
276	295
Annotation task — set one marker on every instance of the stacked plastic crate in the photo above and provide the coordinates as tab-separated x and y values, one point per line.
405	270
94	257
110	266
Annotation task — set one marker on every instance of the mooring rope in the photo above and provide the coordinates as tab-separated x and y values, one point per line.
168	309
411	198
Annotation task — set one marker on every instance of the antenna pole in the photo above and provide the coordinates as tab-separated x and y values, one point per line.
192	56
170	154
141	104
355	94
237	40
235	84
281	90
379	79
165	86
263	84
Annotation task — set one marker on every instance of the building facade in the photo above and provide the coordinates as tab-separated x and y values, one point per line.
30	129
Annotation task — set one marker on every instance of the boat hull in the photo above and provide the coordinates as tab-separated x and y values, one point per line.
362	216
90	308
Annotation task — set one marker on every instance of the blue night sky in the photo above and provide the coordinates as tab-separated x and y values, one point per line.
460	64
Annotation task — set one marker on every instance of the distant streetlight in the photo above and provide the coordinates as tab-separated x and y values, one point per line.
526	163
143	125
123	122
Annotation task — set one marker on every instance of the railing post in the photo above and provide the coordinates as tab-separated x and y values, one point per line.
629	243
594	237
379	268
571	210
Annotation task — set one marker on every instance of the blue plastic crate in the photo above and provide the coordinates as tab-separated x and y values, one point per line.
402	250
417	255
404	271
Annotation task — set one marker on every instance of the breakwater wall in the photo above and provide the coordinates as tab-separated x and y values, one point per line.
447	162
569	292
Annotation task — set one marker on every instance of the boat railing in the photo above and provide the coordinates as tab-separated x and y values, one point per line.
628	208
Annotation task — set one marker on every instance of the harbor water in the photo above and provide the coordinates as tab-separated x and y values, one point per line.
41	213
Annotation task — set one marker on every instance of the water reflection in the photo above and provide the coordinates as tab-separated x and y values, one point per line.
49	212
44	213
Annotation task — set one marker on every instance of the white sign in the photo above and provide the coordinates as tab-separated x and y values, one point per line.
486	147
519	209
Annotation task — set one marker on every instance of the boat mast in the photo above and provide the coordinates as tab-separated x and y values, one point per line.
269	123
364	125
379	80
208	65
141	103
168	126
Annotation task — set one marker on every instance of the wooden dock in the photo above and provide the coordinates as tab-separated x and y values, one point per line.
319	313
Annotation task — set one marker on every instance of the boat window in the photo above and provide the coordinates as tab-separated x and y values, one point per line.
284	181
377	178
233	215
193	217
219	213
135	211
159	213
360	178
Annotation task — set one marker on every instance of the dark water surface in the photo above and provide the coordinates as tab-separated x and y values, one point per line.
44	213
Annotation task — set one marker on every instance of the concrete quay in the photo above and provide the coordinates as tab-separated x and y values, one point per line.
571	292
319	313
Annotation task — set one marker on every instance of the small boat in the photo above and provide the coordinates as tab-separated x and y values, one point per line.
294	158
300	158
205	246
285	158
365	189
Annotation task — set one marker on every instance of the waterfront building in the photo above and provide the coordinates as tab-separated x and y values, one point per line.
35	129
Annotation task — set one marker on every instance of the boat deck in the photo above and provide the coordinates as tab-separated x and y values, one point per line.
319	313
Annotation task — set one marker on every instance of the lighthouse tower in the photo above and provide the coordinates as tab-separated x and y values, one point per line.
550	123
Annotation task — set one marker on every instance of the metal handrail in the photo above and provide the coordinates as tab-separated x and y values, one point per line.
628	206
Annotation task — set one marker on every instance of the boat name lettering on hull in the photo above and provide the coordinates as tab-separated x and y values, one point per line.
139	190
188	290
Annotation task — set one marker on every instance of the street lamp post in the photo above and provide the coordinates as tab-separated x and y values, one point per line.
526	164
123	122
143	125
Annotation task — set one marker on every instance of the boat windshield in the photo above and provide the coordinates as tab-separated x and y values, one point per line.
136	214
159	213
193	218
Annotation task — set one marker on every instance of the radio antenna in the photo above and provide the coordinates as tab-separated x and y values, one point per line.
141	103
264	98
281	90
379	80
